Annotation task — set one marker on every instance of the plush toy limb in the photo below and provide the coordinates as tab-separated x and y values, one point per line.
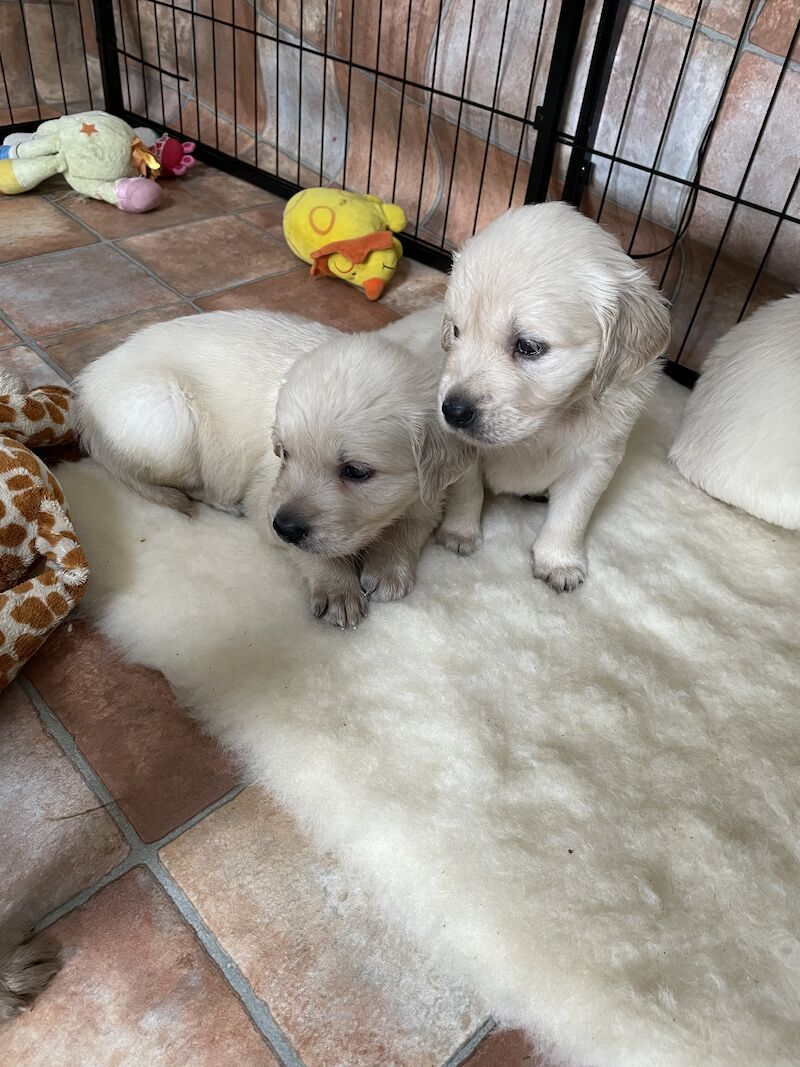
395	217
20	175
37	418
128	194
38	146
30	611
14	139
11	382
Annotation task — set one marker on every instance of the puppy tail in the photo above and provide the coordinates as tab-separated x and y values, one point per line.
166	495
25	969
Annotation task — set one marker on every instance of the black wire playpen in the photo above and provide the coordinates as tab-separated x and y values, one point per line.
673	124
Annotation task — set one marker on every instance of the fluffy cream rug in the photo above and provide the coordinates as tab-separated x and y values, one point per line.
587	805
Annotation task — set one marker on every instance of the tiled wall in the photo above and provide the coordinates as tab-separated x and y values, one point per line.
455	166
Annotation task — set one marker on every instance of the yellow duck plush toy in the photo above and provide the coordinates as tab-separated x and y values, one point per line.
346	235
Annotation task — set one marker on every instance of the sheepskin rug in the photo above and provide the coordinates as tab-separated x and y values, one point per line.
586	805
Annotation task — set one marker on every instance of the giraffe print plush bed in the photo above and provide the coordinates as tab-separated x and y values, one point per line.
43	570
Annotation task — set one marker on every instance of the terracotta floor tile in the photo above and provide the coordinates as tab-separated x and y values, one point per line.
136	988
269	218
414	286
55	840
152	757
32	367
201	257
7	336
506	1048
326	299
76	288
31	226
75	349
199	194
226	191
346	992
178	204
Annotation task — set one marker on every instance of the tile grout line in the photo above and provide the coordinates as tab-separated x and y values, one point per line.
68	745
146	856
29	342
719	36
104	322
140	853
258	1011
112	242
136	856
464	1051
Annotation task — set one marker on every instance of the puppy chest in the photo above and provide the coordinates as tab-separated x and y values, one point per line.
521	471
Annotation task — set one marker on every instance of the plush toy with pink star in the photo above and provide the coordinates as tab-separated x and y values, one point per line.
98	154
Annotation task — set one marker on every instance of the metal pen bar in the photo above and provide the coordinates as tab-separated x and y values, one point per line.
430	112
548	115
742	184
491	118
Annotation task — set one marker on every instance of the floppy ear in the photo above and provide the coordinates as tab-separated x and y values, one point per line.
447	332
441	459
636	332
276	444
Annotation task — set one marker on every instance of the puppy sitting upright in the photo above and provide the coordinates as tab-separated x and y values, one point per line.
553	337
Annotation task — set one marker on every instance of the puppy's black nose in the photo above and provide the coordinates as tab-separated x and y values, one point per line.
288	527
459	411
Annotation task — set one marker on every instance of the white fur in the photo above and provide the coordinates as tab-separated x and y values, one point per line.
559	422
586	806
199	409
740	435
187	406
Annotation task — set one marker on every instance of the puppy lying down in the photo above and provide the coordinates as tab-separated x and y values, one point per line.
330	442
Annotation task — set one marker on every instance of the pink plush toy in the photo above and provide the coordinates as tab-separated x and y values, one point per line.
174	156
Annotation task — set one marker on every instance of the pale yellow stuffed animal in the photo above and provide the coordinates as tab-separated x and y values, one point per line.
346	235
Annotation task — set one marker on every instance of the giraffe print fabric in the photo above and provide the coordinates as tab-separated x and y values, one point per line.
43	570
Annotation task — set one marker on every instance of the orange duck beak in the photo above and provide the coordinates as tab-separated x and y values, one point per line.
373	287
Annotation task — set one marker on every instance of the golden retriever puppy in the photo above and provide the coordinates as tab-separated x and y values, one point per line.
354	476
553	337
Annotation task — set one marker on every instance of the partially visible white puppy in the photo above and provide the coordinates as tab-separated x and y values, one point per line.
183	410
553	337
739	439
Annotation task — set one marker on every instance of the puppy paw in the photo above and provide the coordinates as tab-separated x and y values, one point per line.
389	580
25	970
236	510
562	576
341	607
462	542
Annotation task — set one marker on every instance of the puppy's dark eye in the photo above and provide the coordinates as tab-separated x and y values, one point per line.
356	472
528	348
455	330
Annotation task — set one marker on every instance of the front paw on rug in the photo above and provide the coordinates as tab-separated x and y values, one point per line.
390	580
340	607
563	576
462	542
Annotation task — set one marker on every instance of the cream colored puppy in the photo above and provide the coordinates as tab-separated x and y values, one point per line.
354	476
553	337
